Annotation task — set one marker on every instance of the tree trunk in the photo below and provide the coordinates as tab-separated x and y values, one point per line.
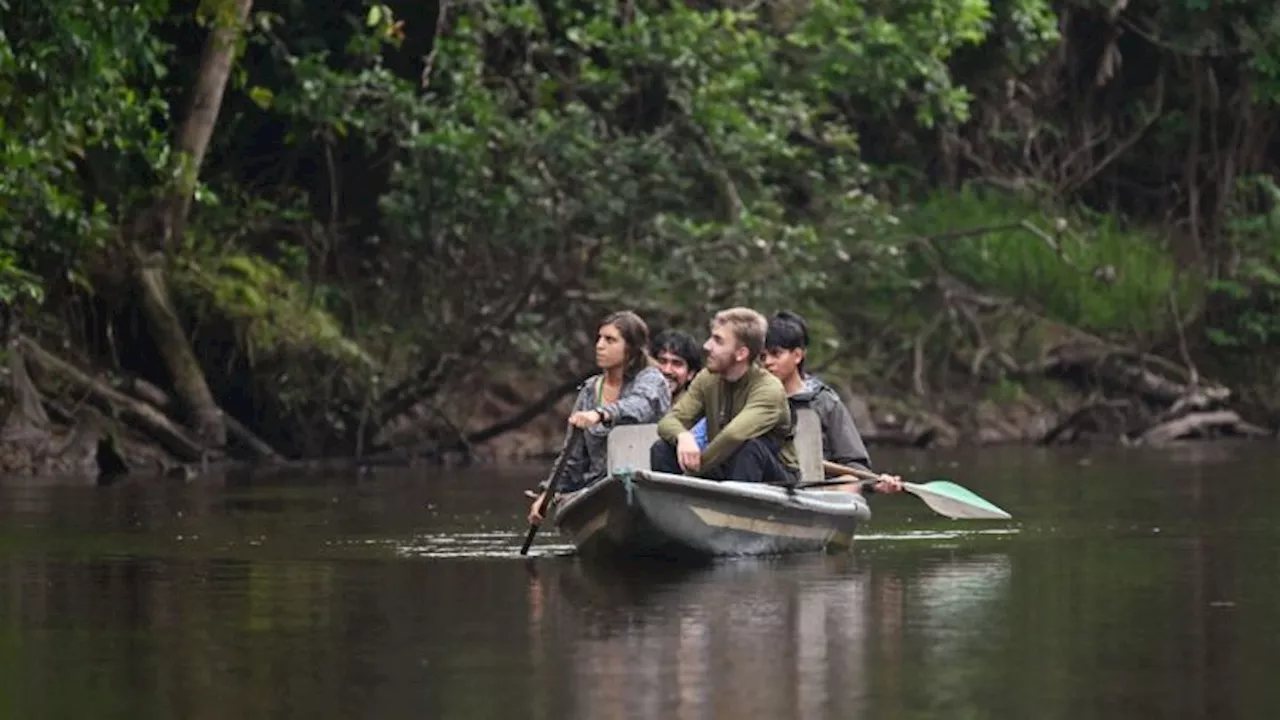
204	415
206	103
192	143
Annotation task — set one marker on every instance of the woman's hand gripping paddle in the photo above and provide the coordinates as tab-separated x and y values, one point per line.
570	447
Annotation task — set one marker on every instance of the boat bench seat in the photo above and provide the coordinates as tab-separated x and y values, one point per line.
629	445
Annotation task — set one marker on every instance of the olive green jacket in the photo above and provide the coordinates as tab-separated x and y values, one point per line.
755	406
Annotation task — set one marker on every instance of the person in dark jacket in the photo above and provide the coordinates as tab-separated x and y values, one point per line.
785	347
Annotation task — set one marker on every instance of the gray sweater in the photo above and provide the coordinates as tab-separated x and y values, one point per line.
644	398
841	442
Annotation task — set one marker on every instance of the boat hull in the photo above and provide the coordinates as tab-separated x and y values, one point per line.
644	513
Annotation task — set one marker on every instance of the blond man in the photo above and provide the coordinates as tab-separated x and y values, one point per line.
749	433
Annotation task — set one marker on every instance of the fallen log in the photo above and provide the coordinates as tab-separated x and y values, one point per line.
258	447
1136	396
1129	371
146	418
148	393
1199	424
1194	401
145	392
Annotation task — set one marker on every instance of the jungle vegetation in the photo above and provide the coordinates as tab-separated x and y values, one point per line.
278	227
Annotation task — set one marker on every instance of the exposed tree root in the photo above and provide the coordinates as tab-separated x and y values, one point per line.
1163	402
27	420
1099	417
249	443
144	416
1134	396
93	448
31	444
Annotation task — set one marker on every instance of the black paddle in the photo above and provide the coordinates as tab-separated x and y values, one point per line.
570	447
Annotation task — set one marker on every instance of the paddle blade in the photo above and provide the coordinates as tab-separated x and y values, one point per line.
955	501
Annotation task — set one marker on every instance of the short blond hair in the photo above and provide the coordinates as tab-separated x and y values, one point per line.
747	326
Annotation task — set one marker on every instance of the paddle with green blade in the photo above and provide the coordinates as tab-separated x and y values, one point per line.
943	496
571	444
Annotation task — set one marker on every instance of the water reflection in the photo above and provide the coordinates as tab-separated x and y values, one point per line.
1138	585
798	637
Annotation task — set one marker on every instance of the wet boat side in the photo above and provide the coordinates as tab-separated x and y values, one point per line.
648	513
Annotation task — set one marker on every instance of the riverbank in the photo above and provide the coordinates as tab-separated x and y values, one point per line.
1037	325
997	337
1074	397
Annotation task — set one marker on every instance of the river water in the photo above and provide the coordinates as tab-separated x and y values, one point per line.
1130	584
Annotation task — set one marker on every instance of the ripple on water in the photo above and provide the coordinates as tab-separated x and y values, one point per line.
495	544
498	544
474	545
937	534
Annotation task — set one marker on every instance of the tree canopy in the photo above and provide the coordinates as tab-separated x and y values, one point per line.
315	217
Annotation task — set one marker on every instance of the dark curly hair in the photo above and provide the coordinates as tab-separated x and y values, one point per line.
680	344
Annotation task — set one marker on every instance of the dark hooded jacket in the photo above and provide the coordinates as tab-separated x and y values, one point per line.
841	442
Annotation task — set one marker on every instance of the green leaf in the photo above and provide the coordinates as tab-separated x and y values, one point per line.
261	96
1265	274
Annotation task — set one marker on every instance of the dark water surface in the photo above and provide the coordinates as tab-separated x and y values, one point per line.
1131	584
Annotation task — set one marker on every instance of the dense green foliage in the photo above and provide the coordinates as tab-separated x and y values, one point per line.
392	187
78	131
1089	271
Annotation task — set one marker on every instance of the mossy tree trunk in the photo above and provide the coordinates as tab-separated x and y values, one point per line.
189	384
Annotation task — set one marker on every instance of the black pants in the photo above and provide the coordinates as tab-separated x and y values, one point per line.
756	460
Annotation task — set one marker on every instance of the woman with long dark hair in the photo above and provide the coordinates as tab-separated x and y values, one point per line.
629	390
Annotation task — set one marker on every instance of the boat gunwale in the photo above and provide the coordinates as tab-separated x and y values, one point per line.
756	496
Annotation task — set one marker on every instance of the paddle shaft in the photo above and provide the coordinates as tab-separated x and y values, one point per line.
838	469
571	444
945	502
867	479
833	483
